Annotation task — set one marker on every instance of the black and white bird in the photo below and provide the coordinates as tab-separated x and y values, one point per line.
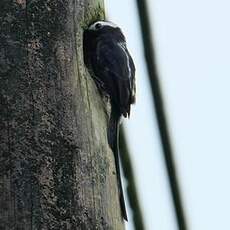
106	54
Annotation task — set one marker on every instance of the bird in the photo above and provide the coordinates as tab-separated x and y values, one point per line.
107	56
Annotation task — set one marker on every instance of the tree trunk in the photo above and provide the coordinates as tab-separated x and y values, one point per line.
56	168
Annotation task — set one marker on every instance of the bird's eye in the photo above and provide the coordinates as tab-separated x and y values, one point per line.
98	26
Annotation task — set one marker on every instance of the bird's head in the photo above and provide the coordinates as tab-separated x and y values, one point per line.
105	28
102	25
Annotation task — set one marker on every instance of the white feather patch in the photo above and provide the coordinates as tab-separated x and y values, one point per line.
123	47
103	23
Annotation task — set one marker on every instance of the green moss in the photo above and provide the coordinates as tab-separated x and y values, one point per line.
94	14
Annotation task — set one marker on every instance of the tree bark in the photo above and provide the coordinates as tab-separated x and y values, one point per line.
56	168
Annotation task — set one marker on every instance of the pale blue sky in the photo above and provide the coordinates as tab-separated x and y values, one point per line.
193	52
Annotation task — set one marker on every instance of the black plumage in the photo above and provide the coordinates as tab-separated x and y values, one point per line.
106	54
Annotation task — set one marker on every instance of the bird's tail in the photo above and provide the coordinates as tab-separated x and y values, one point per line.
113	138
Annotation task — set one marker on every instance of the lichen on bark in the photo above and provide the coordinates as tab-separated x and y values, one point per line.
57	170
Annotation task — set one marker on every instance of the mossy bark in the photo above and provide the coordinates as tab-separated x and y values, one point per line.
56	168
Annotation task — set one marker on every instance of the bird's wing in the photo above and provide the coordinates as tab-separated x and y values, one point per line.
115	68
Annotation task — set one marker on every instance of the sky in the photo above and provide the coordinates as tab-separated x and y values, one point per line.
191	39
